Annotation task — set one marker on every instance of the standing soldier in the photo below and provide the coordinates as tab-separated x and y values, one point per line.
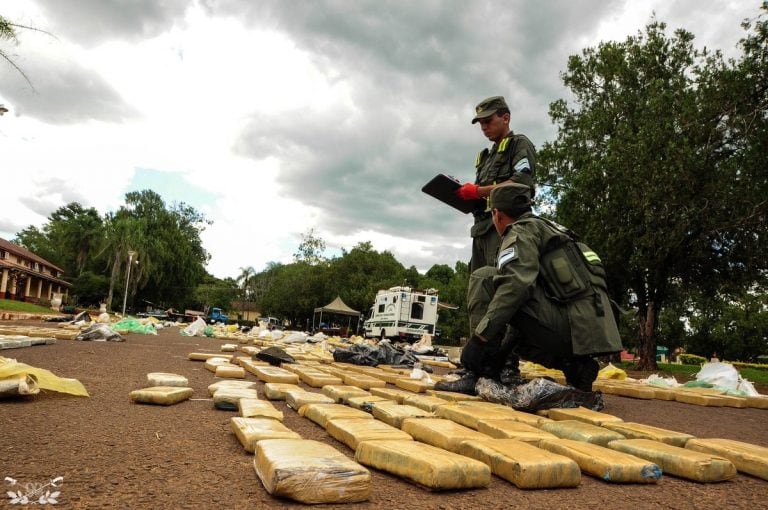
512	157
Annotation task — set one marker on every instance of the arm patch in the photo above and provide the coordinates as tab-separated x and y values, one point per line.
507	255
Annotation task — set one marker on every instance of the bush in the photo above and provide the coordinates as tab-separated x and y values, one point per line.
692	359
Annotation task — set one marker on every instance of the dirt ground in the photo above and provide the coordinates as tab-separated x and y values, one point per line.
113	453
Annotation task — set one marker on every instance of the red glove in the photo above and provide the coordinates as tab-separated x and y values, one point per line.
468	192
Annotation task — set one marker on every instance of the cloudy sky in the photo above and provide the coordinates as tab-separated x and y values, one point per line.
275	116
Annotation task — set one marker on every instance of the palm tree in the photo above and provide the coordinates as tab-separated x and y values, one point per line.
245	279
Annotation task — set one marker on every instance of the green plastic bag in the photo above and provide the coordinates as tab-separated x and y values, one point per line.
208	331
134	326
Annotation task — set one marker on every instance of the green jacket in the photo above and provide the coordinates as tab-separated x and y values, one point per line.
514	158
519	286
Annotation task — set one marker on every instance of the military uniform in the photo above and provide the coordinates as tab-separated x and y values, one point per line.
511	158
550	290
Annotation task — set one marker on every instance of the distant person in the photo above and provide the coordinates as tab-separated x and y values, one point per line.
550	289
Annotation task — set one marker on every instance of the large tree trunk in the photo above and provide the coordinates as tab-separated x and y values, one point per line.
647	338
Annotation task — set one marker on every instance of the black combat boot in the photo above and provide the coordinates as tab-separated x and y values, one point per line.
581	372
464	385
510	373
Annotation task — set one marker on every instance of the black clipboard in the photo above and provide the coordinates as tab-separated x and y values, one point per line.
443	188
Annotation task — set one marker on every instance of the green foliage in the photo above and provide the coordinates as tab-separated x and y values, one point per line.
166	240
89	289
692	359
214	292
311	249
660	167
736	328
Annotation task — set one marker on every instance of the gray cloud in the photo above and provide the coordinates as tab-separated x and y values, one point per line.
52	194
415	74
64	92
89	22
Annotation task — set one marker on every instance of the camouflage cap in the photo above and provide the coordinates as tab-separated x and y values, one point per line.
511	197
488	107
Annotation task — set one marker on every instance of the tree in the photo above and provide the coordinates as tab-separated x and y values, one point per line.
311	249
212	291
89	289
8	32
359	274
659	172
67	239
245	280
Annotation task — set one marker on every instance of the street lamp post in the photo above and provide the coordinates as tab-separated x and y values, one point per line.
131	254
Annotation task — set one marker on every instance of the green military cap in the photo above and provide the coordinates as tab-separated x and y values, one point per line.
511	197
488	107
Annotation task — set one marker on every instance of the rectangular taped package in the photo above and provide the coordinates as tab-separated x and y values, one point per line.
227	398
632	430
426	402
682	462
469	415
166	379
453	396
275	375
230	384
254	408
580	431
394	414
318	379
509	413
161	395
583	414
322	413
340	394
362	381
440	432
310	472
522	464
297	398
203	356
392	394
250	431
748	458
353	431
510	429
230	372
277	391
423	464
414	385
606	464
366	403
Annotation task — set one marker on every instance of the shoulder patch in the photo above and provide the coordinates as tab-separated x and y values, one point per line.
507	255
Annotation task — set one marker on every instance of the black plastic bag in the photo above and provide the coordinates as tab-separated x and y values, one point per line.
274	356
538	394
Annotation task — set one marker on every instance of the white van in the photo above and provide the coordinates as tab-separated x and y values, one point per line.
402	313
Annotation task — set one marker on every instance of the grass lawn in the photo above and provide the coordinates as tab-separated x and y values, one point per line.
9	305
